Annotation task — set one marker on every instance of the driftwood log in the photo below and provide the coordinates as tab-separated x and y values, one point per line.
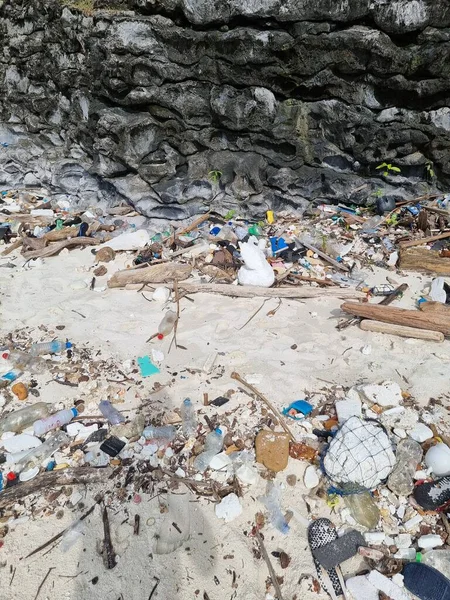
251	291
56	248
435	307
401	330
424	260
79	475
426	240
400	316
160	273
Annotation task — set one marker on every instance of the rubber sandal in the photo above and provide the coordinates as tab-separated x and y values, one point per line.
321	533
425	582
433	495
339	550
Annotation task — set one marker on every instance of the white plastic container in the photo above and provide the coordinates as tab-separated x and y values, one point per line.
59	419
438	460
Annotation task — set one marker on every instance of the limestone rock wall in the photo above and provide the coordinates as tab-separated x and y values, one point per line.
178	104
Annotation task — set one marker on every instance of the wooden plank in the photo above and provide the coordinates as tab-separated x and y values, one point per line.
426	240
401	330
160	273
424	260
400	316
250	291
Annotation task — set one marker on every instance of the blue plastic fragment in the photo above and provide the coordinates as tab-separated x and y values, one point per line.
51	465
301	406
147	367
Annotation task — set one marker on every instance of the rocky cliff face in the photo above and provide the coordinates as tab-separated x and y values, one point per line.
177	104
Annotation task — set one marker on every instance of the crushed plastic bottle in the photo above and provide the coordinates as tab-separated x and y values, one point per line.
363	508
213	445
175	527
438	559
272	503
408	455
9	377
110	413
168	323
19	420
34	458
55	347
162	434
189	418
60	418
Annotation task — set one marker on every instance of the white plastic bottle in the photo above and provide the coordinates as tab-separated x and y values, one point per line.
213	445
62	417
168	323
189	418
55	347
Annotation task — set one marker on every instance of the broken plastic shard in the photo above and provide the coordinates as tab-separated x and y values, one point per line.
176	526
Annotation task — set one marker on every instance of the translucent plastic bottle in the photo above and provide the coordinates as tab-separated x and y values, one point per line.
272	502
363	508
21	419
24	361
175	527
408	455
36	456
60	418
164	433
110	412
55	347
189	418
213	445
168	323
438	559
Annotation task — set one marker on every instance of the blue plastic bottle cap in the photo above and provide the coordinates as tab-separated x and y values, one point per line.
74	412
187	401
218	431
68	345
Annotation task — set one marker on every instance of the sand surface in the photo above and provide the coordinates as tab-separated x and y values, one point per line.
296	353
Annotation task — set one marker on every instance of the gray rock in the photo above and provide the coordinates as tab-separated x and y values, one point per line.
177	106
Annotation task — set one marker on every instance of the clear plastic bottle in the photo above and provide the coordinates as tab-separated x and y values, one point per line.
165	433
272	502
36	456
19	420
55	347
175	527
24	361
213	445
438	559
189	418
110	412
408	455
60	418
362	507
168	323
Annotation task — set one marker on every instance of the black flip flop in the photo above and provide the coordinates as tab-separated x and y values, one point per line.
320	533
425	582
433	495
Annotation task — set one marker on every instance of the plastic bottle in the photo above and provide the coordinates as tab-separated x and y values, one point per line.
175	527
55	347
9	377
110	412
438	559
189	418
60	418
130	430
164	433
168	323
408	455
363	508
36	456
272	502
21	419
213	445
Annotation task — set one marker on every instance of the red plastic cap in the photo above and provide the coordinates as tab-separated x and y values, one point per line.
160	336
5	355
11	476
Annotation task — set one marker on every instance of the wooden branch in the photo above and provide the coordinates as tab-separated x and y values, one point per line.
12	247
109	556
56	235
252	291
435	307
324	282
424	260
79	475
401	330
56	248
268	562
194	224
161	273
426	240
272	408
384	302
325	257
400	316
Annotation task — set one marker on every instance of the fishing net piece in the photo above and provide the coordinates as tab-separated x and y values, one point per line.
360	454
